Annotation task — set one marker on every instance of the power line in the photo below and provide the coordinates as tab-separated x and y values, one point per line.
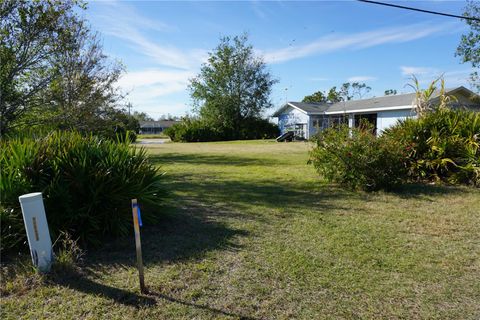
421	10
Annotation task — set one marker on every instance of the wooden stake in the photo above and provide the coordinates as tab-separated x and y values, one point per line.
138	245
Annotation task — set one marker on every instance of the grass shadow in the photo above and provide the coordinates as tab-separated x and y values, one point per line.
82	283
178	235
264	193
201	306
222	160
417	190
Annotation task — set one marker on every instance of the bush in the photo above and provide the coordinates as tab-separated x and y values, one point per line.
193	130
444	143
259	129
87	184
356	159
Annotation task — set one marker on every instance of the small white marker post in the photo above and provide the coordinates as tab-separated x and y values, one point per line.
36	226
138	245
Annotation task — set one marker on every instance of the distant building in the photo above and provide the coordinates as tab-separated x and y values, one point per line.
155	127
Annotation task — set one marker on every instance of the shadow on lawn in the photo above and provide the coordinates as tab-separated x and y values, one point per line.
414	191
201	306
179	235
211	159
265	193
83	284
182	235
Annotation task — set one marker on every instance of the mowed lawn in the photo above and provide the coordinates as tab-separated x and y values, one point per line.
249	230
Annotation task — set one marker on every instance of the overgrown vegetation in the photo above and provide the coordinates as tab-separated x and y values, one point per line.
87	183
197	130
444	145
440	144
20	276
357	159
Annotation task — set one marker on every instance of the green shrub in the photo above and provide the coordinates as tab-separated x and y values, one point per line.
87	184
259	129
356	159
444	143
193	130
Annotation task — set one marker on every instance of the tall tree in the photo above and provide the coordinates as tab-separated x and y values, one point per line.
334	95
316	97
347	91
142	116
469	47
31	34
232	86
53	70
357	90
83	92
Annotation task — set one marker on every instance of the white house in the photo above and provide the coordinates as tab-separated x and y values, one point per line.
305	119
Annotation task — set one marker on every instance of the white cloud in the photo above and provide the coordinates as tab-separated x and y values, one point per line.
259	9
156	90
154	77
123	13
425	75
163	107
355	41
361	78
417	71
148	89
122	21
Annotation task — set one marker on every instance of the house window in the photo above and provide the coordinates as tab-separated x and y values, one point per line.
337	120
365	120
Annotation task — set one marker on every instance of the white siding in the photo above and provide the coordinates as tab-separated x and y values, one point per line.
290	117
386	119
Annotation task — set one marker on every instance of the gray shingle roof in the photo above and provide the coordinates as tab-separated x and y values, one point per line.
374	103
310	108
399	100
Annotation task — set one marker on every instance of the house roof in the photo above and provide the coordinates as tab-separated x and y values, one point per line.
157	124
400	100
308	108
392	102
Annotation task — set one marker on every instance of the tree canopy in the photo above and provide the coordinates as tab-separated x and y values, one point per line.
390	92
347	91
53	71
469	47
233	86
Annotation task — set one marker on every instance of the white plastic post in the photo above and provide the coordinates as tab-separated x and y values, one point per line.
37	230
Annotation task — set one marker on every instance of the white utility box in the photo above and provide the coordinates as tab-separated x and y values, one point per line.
37	230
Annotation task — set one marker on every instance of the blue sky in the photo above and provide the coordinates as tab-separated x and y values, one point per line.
308	46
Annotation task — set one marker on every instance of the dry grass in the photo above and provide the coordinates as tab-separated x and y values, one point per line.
250	231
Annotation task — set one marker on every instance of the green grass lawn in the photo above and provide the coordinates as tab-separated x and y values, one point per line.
249	231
